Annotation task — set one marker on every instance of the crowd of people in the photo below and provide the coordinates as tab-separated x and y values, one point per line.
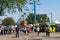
31	28
6	30
25	29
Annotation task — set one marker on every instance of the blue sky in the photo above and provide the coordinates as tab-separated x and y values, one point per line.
46	7
50	6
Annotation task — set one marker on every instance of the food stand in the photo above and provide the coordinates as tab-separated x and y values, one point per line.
52	26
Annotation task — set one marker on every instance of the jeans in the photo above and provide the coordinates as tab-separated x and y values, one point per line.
48	34
17	33
38	33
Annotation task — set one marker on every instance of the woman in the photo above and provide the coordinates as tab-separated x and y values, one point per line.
47	31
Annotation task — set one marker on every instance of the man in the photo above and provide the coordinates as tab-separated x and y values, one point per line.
17	31
38	30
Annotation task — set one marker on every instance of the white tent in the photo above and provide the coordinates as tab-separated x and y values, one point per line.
57	22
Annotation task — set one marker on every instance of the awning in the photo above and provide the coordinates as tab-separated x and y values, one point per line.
57	22
42	23
50	23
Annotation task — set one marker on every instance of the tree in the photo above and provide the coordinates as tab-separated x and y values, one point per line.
30	18
11	5
42	18
39	18
8	22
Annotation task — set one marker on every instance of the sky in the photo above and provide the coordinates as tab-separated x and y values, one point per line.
45	7
50	6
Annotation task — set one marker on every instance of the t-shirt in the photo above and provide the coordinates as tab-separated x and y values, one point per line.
47	29
24	28
17	28
38	28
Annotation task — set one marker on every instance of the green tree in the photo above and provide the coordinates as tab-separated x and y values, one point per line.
42	17
39	18
11	5
30	18
8	21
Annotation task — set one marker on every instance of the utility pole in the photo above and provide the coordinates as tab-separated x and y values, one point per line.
51	17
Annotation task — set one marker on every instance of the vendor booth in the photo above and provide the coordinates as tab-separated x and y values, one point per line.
52	26
57	26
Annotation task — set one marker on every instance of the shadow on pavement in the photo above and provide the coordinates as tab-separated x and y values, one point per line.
14	37
55	37
35	35
43	36
34	39
52	37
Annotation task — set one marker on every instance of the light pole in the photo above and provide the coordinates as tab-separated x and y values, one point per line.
51	17
35	11
34	4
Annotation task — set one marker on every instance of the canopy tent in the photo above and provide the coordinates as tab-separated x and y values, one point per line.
57	22
42	23
50	23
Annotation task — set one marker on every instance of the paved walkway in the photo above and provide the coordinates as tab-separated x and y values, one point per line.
54	36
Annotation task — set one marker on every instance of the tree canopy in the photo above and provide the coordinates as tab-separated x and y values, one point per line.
11	5
39	18
8	22
30	18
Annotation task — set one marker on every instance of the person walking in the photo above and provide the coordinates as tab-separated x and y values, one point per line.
10	30
24	29
17	31
47	31
2	29
38	29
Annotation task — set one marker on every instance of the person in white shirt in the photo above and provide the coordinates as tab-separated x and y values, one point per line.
38	29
